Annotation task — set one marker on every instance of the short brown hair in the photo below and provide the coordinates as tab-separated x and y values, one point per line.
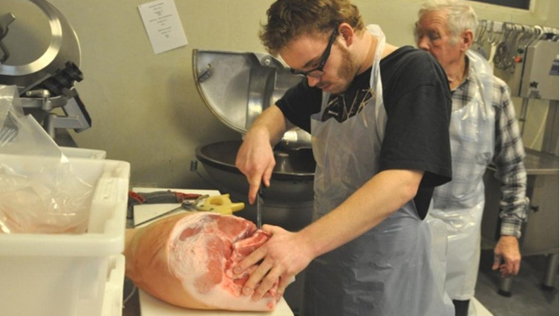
289	19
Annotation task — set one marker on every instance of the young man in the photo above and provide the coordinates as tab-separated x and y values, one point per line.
379	119
483	130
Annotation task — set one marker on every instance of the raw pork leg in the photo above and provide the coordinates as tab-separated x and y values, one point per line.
187	260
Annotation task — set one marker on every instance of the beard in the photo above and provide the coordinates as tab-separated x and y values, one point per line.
347	70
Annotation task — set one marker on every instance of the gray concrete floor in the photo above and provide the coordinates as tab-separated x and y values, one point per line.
527	295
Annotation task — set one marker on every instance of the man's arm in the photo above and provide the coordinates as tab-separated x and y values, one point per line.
378	198
508	159
255	158
286	253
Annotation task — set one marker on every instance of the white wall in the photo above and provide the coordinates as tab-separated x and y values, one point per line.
145	107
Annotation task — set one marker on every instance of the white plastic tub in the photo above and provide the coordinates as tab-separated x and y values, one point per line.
113	300
75	152
66	275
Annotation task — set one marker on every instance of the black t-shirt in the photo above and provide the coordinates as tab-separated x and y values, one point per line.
418	104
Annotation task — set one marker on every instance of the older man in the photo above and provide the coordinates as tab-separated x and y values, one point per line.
483	131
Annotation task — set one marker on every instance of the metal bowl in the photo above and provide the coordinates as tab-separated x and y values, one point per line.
288	202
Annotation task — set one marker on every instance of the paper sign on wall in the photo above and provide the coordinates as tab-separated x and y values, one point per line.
163	25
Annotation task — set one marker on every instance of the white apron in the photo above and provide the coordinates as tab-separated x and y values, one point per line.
460	203
387	270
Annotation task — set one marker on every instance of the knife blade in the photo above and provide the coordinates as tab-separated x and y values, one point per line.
260	203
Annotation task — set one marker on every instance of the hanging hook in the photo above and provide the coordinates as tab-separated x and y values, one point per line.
480	32
491	33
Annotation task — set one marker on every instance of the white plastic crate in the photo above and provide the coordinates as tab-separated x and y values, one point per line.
113	300
75	152
66	275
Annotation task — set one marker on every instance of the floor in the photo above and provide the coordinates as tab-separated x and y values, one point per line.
527	295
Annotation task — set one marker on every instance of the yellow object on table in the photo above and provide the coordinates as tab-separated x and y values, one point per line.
221	204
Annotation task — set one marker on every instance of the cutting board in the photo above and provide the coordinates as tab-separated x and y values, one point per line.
151	306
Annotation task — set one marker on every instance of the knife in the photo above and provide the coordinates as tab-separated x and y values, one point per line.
260	203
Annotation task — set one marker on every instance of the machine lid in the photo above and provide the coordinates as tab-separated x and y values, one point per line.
238	86
291	165
35	41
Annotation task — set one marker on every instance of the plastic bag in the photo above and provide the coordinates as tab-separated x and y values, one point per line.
39	191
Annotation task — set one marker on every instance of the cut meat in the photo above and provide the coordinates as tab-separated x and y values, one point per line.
187	260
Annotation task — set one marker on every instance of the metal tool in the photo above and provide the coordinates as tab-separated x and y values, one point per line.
156	197
220	204
46	83
5	20
185	205
260	203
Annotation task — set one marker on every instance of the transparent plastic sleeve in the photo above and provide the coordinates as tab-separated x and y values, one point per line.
39	191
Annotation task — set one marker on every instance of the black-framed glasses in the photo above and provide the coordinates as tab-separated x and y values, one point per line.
318	71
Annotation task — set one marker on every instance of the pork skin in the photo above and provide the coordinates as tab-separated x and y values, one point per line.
187	260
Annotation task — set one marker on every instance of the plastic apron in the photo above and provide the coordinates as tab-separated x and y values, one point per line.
460	203
387	270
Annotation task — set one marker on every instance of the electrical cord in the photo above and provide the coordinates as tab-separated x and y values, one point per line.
129	296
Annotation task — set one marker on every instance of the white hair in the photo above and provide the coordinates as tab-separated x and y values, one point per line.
460	15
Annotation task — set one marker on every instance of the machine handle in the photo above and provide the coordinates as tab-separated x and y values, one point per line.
534	208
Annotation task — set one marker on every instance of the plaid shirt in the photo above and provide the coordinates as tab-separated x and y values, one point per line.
508	153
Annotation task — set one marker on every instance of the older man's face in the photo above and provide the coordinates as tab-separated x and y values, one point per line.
433	36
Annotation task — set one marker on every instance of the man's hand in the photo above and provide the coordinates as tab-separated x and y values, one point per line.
279	259
507	250
255	159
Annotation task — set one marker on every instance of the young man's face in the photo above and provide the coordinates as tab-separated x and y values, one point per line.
433	36
306	53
